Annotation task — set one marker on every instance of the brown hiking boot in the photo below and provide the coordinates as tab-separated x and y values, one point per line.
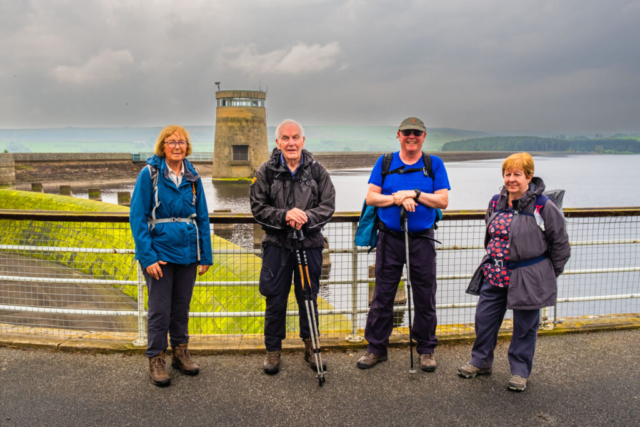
427	362
470	371
182	361
369	360
271	363
158	370
517	383
310	357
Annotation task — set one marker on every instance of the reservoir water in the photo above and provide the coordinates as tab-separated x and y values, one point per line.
589	181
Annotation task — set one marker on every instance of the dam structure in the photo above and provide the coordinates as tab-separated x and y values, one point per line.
241	144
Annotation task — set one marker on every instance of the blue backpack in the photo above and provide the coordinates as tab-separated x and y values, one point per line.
367	232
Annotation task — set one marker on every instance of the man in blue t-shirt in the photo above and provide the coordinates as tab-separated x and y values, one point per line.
420	195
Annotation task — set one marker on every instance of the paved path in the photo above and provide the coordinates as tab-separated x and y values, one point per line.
586	379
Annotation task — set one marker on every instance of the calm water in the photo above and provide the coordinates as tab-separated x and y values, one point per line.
590	181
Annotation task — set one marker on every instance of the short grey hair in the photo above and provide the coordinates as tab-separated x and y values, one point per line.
287	122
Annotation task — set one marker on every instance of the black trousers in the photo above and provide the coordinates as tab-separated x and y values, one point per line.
390	261
169	300
490	311
275	284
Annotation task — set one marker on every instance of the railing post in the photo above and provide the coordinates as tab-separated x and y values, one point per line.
142	340
354	288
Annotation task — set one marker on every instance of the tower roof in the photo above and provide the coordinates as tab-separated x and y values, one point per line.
241	94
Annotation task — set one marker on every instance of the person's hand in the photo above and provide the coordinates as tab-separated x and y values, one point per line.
155	271
401	196
296	218
203	269
295	225
409	205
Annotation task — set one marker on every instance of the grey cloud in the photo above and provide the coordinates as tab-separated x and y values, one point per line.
491	65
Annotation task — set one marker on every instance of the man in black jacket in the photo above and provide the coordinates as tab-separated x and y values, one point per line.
289	191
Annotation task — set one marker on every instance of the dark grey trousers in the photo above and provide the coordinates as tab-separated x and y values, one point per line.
275	284
390	261
169	299
489	315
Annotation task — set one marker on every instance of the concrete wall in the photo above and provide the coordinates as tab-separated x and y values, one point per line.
239	126
7	170
71	157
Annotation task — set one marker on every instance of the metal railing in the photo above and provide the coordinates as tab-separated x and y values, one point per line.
72	275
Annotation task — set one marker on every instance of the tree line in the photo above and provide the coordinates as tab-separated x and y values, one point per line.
534	143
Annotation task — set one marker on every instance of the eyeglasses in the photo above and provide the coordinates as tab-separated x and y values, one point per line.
173	144
408	132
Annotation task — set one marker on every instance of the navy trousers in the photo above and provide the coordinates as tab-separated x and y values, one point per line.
390	260
275	284
490	311
169	300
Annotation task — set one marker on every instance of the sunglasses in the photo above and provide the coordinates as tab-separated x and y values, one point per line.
408	132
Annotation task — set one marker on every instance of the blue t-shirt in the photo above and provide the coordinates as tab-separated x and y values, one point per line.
424	216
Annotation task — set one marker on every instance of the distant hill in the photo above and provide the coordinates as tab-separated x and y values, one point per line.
142	139
533	143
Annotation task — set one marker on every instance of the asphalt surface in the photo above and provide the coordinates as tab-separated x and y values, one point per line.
586	379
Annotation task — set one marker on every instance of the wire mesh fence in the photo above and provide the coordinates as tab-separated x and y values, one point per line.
74	276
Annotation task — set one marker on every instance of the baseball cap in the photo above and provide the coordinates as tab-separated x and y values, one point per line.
412	123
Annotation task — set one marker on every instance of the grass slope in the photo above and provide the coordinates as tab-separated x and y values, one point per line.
232	267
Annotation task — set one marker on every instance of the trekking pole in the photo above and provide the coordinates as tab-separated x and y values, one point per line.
308	302
404	220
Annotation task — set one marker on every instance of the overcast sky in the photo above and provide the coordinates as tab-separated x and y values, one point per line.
546	66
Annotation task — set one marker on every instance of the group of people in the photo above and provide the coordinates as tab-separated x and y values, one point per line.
526	245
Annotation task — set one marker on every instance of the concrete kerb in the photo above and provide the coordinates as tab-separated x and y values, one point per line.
588	324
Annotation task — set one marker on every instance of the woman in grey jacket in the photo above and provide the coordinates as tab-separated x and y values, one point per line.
527	248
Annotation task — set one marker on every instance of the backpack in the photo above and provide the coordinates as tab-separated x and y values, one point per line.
367	232
556	196
153	174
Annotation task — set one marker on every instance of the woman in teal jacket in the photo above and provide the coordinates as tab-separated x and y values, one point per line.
170	225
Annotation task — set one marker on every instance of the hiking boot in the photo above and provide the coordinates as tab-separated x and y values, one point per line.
470	371
517	383
369	360
271	363
427	362
158	370
182	361
310	357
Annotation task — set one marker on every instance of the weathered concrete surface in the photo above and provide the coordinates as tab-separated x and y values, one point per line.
589	379
7	170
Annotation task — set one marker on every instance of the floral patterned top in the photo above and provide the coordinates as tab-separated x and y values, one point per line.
498	248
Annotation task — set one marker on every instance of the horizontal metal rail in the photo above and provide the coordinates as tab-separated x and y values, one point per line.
256	282
258	251
134	313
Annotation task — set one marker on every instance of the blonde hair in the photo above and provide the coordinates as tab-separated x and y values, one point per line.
519	161
167	132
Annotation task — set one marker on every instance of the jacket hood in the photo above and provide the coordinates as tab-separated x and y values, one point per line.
190	173
526	202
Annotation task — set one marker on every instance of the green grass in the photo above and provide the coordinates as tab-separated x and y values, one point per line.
232	267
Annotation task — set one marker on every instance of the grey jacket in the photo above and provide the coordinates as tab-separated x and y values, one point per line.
532	287
273	193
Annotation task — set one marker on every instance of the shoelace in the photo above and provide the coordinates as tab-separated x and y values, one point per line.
272	357
159	362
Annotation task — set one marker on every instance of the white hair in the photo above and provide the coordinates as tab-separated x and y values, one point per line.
287	122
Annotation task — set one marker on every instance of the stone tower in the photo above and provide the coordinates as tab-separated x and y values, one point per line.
241	144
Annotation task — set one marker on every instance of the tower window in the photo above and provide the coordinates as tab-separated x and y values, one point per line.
240	152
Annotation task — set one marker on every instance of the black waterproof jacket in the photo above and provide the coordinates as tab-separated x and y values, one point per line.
274	192
534	286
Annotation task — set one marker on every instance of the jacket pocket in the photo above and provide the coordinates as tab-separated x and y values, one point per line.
267	286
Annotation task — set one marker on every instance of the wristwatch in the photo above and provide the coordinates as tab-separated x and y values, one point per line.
418	193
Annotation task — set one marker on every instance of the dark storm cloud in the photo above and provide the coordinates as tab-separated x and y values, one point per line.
568	66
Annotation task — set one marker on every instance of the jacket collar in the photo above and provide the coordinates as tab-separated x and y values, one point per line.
275	162
190	173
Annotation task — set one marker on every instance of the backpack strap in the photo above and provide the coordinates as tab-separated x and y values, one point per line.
494	202
428	169
153	174
386	165
541	200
